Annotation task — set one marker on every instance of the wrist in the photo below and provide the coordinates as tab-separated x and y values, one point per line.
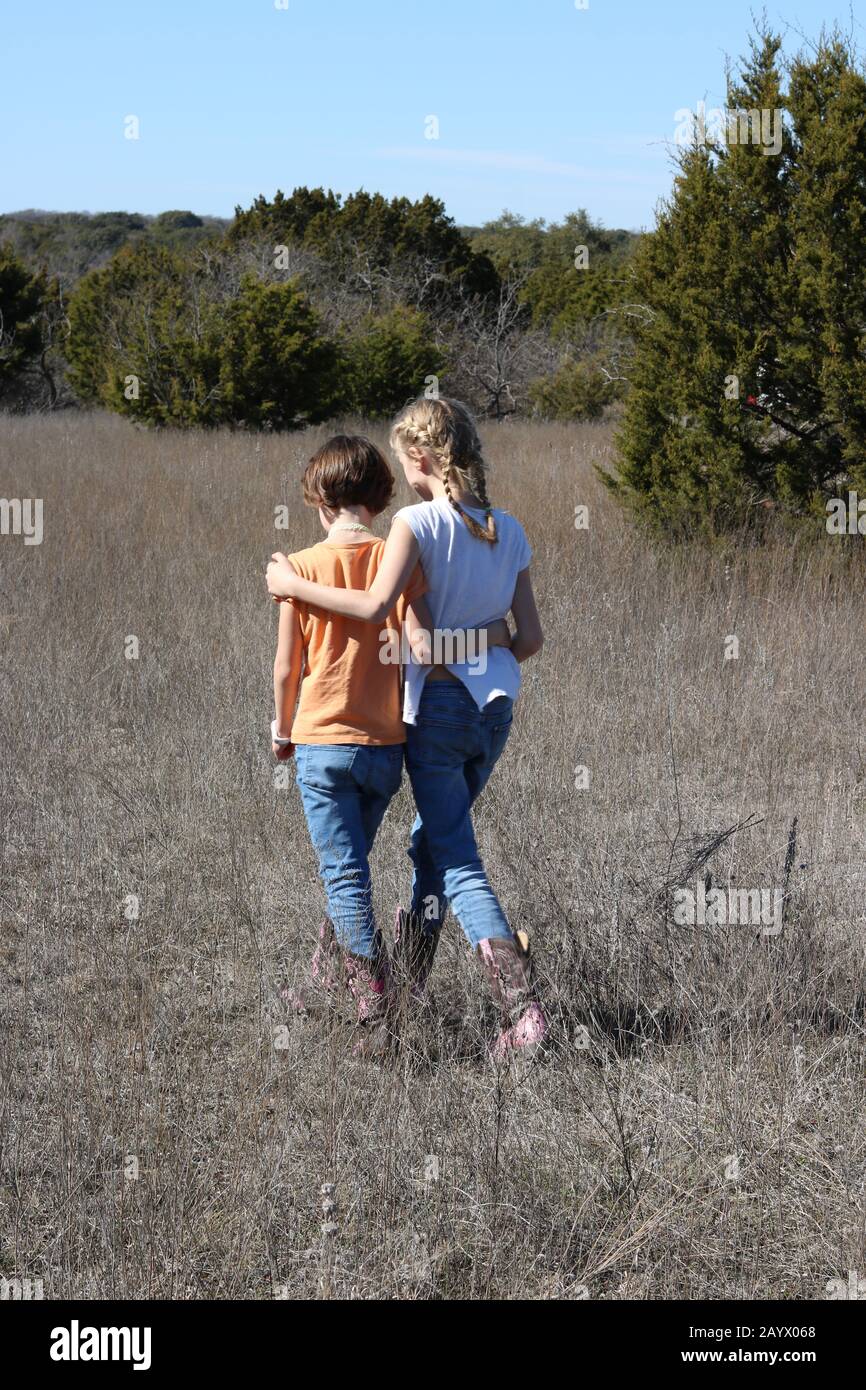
277	736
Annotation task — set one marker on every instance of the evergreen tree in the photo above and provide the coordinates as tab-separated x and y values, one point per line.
826	326
575	391
747	382
136	344
514	245
167	339
21	298
388	360
276	367
369	233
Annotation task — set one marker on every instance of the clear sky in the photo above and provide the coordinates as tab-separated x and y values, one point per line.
542	107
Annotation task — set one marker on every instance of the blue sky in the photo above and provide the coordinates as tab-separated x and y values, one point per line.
541	107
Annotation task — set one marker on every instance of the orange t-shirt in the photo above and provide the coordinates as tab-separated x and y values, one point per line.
347	694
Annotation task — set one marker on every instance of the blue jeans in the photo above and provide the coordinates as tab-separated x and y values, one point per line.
345	789
450	754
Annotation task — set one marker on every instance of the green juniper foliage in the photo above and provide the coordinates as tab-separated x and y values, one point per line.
68	244
32	324
577	390
367	230
748	385
575	285
396	294
170	340
735	331
21	296
387	361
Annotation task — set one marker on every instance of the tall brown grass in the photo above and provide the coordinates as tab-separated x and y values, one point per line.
165	1131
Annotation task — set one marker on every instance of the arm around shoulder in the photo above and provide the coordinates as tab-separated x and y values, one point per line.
372	605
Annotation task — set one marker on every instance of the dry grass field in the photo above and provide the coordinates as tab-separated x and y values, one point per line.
696	1130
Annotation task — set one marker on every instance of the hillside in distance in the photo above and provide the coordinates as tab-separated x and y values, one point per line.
68	244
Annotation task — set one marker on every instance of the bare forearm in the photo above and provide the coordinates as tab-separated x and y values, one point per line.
523	647
286	681
425	647
373	606
350	603
528	637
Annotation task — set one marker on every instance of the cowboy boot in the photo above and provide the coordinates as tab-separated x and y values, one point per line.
324	984
414	952
371	985
505	961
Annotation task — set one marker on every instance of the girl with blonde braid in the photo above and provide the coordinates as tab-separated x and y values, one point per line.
458	713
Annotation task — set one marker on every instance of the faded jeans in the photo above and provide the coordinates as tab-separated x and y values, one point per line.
450	754
345	790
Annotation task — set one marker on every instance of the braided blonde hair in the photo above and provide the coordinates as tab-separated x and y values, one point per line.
447	429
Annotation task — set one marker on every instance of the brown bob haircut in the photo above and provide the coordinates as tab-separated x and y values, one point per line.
348	471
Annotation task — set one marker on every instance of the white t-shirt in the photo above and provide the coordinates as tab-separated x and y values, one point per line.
470	583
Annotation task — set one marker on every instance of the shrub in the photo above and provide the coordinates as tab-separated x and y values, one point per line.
167	339
576	391
387	361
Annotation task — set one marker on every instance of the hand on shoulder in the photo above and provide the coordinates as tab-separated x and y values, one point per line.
280	578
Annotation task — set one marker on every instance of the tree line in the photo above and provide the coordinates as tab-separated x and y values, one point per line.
733	333
303	307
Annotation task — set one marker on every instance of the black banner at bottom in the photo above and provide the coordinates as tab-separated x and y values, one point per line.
157	1340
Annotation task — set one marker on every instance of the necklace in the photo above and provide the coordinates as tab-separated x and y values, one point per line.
351	526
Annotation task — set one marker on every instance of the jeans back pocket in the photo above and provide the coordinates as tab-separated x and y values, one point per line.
327	766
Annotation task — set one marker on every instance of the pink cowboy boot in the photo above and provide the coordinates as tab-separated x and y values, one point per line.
325	982
506	963
370	983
